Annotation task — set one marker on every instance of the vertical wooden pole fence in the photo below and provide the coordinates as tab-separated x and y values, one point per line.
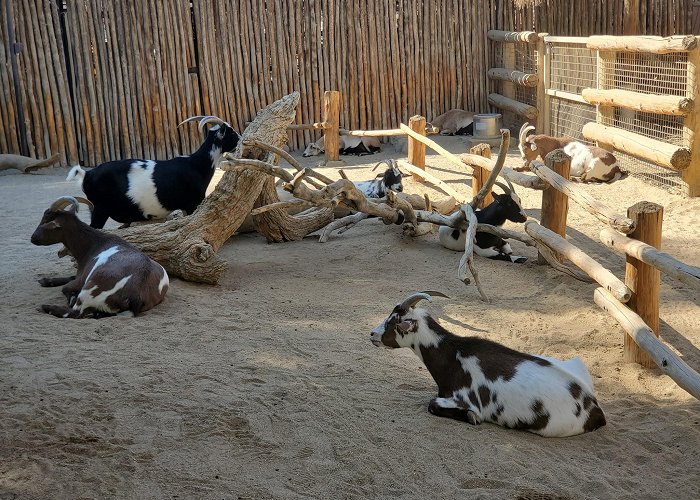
643	279
691	175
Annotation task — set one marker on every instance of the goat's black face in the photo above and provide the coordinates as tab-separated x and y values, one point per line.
392	179
511	204
49	230
226	137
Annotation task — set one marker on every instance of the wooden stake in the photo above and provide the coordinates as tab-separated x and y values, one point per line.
691	125
642	279
479	175
331	116
555	204
416	149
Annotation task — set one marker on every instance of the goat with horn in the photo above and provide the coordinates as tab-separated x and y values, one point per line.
482	381
113	276
506	206
588	163
135	190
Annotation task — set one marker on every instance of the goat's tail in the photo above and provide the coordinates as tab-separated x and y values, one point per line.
76	173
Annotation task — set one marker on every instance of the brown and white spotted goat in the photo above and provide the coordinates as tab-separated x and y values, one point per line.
480	380
588	163
113	276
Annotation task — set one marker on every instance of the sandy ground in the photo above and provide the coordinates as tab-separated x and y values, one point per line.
267	386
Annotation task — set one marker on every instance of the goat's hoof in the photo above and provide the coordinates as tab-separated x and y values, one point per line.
473	418
46	282
520	260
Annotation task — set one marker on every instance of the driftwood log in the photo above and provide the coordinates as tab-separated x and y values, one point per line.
24	163
187	247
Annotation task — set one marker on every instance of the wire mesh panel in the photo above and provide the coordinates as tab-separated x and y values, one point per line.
573	67
526	61
567	118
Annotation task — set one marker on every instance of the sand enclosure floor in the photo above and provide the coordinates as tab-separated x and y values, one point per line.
267	386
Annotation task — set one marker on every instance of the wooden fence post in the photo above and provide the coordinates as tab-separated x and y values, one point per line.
543	100
691	175
642	279
331	118
555	204
479	175
416	149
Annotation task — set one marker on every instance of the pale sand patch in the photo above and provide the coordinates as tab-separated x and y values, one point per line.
267	386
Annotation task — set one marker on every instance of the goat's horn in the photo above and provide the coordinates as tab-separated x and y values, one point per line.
212	119
521	135
418	296
191	118
380	163
505	188
86	202
63	202
510	184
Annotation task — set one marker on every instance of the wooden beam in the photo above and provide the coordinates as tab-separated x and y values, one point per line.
642	279
649	103
331	116
513	76
665	263
691	126
601	211
441	185
668	361
480	174
519	108
645	44
416	148
555	204
543	100
513	36
587	264
373	133
525	180
432	145
662	153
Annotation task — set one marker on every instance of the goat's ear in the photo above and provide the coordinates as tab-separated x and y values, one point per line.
533	146
407	325
52	225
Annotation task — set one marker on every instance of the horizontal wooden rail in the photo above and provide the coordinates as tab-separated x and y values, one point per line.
517	107
307	126
649	255
586	263
525	180
560	94
513	36
667	360
648	103
662	153
514	76
373	133
574	191
647	44
432	145
445	188
566	40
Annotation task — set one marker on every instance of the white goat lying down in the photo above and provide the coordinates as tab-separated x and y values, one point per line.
588	163
454	122
479	380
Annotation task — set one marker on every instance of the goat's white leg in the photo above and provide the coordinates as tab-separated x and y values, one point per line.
503	253
454	408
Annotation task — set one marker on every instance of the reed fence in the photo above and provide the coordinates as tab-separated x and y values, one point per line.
102	80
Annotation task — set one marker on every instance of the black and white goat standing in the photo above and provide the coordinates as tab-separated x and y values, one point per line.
504	207
482	381
390	179
136	190
113	276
